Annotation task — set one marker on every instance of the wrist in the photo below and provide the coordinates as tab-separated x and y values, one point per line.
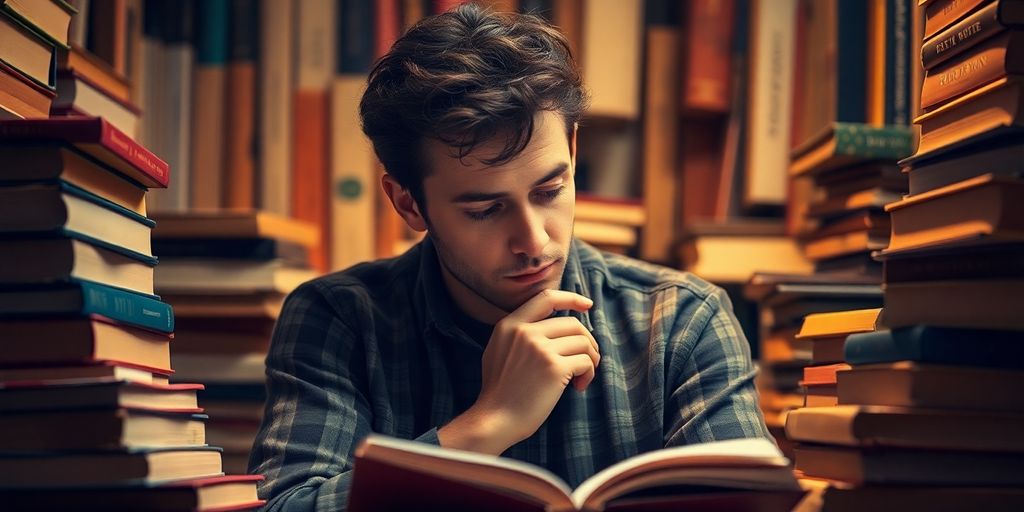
478	430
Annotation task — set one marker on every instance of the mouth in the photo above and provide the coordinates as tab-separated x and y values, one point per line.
535	276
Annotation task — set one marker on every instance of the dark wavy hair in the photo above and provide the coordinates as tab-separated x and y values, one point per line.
464	77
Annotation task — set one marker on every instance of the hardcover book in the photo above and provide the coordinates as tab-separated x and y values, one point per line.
733	473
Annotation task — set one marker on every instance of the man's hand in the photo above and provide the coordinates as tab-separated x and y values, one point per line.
529	361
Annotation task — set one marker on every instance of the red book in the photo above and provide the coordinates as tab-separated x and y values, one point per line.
97	137
707	74
823	375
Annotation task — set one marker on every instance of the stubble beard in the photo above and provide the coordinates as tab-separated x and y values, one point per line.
462	271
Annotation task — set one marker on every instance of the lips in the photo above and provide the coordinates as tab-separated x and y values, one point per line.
534	277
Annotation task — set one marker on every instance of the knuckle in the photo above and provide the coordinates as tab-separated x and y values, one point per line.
520	331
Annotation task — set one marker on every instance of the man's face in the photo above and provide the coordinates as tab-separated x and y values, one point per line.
502	232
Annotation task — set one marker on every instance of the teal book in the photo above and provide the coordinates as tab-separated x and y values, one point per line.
847	144
85	298
937	345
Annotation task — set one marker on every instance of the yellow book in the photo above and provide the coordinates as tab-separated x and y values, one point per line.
825	325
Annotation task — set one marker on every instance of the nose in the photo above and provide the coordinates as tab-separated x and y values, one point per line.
529	234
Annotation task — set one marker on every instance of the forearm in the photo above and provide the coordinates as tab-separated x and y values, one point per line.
477	430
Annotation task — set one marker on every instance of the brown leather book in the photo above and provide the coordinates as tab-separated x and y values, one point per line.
880	425
909	384
943	13
977	211
985	112
993	59
974	29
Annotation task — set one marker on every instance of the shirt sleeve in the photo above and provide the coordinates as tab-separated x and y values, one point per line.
710	378
317	407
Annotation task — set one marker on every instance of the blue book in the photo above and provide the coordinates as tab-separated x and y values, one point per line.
937	345
84	298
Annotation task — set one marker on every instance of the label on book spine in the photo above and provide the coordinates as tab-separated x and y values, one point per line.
125	306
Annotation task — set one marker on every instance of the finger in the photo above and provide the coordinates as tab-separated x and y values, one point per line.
560	326
547	302
580	368
573	345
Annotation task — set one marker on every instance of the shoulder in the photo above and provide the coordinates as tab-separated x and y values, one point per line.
359	288
619	273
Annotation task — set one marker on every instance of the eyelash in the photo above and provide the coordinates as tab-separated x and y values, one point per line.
545	195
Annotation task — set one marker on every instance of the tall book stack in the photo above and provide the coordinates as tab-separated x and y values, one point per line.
851	123
31	33
784	300
90	420
226	274
925	416
853	174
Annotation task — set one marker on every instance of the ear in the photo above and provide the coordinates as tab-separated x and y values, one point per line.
403	202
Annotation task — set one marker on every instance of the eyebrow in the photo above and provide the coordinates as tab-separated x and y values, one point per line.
475	197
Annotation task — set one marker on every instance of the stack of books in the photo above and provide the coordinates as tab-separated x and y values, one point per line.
89	414
784	300
227	273
852	174
720	251
826	334
924	412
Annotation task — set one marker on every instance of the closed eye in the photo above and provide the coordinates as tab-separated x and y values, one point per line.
551	194
484	214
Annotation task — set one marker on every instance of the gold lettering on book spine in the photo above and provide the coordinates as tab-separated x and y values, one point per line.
963	71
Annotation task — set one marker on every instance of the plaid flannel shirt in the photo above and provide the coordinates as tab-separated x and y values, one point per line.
376	349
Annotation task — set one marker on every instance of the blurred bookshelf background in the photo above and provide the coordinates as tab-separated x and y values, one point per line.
846	169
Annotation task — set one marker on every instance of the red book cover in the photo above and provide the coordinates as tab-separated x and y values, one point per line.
443	6
707	75
97	137
388	24
823	375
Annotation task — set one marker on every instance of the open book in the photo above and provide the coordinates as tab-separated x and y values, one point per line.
744	474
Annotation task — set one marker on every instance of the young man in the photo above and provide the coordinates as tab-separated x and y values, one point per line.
471	338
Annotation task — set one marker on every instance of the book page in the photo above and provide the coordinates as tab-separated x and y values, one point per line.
737	453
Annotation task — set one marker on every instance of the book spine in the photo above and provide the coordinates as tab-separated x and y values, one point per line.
150	170
983	265
154	171
960	37
941	13
131	308
356	40
708	59
860	140
208	93
851	61
898	63
240	125
969	71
